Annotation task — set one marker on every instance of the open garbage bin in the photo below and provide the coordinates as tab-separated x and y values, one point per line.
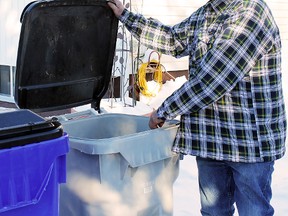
33	164
116	165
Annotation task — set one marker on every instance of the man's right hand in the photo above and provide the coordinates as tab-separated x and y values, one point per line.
116	6
154	121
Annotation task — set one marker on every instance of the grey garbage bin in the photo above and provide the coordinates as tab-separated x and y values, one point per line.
116	165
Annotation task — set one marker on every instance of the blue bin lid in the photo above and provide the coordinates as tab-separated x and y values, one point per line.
23	127
65	54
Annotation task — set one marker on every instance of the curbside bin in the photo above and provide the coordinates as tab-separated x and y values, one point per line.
33	164
118	166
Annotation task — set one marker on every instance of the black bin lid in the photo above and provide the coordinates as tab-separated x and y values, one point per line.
65	54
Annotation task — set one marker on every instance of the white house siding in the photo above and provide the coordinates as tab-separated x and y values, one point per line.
10	11
280	11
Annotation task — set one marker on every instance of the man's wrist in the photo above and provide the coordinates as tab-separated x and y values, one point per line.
124	15
160	117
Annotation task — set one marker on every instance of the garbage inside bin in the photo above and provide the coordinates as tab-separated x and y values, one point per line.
116	165
33	164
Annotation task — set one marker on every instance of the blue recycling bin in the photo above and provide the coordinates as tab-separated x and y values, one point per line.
32	164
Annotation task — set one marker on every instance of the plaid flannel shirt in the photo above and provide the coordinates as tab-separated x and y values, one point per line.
232	106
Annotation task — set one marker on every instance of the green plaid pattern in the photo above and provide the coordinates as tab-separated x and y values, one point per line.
232	106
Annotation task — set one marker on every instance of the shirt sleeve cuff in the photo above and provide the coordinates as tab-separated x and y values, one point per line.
161	114
124	16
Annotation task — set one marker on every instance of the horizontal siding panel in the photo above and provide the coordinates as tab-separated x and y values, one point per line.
10	11
280	12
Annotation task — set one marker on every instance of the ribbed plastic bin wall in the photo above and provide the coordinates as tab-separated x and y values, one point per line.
30	176
118	166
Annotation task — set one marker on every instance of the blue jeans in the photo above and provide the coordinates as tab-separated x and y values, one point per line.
223	183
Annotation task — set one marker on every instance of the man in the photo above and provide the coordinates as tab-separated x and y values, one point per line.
232	107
